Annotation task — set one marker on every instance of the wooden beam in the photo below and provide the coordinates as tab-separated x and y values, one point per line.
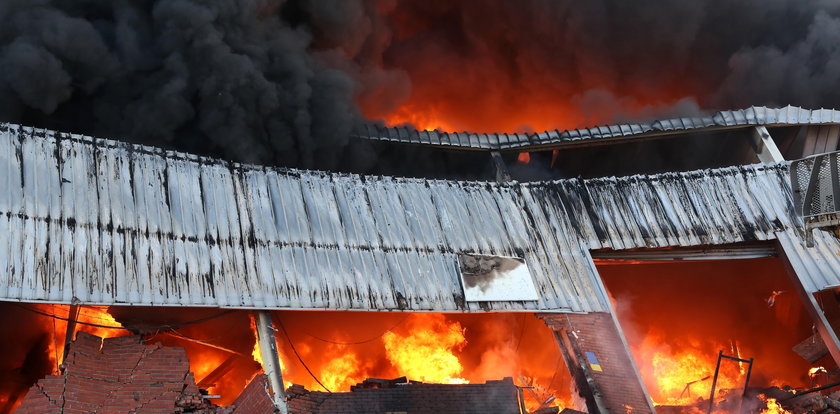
220	371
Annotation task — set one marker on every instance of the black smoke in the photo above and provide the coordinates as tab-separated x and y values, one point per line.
239	79
284	82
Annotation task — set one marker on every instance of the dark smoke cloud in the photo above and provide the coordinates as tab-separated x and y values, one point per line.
234	78
274	81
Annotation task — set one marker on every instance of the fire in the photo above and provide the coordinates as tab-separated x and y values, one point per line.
524	157
773	406
813	372
428	352
256	352
341	372
87	317
682	376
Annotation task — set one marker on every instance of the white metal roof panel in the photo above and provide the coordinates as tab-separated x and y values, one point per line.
104	222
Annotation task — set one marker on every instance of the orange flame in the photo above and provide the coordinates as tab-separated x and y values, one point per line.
685	375
524	157
428	353
88	316
813	372
773	406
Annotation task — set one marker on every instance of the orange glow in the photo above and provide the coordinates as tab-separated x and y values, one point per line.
427	347
524	157
773	407
341	372
427	354
345	348
813	372
87	317
678	317
256	353
684	375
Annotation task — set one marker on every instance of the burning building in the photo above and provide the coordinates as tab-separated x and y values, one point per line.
670	286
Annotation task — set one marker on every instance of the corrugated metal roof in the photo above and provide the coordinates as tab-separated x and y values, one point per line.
756	115
104	222
818	267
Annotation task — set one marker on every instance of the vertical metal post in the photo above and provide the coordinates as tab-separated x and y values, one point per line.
746	386
600	407
747	382
72	316
714	384
502	173
270	359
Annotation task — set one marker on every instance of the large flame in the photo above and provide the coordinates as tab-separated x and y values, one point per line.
684	375
94	320
772	406
428	352
678	317
340	349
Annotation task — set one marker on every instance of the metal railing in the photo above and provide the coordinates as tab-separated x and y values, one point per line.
816	190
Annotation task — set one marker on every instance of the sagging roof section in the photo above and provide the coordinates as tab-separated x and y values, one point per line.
756	115
103	222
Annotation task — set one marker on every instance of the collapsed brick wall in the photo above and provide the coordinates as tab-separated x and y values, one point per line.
492	397
498	397
616	382
118	375
254	399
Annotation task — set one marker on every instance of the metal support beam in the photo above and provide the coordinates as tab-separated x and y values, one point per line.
502	173
594	402
72	316
827	334
764	146
270	359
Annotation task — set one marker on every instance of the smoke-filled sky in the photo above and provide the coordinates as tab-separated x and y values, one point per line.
284	82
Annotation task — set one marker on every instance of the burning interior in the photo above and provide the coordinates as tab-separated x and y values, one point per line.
678	315
320	350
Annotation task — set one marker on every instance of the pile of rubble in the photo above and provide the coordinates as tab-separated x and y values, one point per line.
119	375
801	403
127	375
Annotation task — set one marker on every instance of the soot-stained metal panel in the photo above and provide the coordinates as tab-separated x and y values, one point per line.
755	115
494	278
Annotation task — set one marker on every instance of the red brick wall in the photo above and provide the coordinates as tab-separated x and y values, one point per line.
254	399
618	383
116	375
497	397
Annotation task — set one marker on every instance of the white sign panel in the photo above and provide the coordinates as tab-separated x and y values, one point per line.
494	278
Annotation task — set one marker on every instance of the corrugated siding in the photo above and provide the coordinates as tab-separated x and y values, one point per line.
757	115
103	222
818	267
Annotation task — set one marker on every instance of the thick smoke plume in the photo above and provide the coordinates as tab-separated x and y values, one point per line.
285	82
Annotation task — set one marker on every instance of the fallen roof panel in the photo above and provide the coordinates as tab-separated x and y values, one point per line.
756	115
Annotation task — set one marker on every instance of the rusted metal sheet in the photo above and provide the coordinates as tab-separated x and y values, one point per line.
104	222
756	115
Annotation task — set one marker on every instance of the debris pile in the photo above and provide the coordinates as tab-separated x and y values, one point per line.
119	375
